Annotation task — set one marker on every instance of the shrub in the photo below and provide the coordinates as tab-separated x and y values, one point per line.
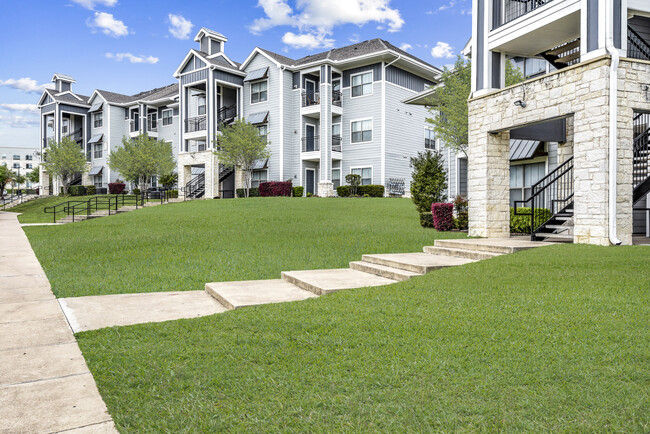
429	180
136	191
252	192
77	190
443	216
116	187
271	189
520	224
173	194
298	191
90	190
462	221
343	191
426	219
371	190
309	194
353	181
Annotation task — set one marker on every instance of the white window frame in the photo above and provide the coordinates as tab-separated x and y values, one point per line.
340	175
266	177
266	136
267	91
435	142
372	130
372	83
201	97
171	117
372	172
65	126
101	120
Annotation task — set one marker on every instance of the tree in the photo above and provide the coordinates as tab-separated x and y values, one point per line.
353	181
64	160
140	158
429	180
241	145
19	180
34	176
168	180
6	176
448	104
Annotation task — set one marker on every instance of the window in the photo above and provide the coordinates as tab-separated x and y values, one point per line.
152	120
28	157
154	181
98	119
28	166
200	145
429	138
98	148
259	91
258	176
16	165
522	178
16	157
361	131
361	84
65	126
98	181
365	173
167	117
201	107
264	131
336	178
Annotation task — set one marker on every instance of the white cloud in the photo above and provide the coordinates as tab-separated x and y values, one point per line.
133	58
26	84
28	108
317	18
109	25
354	38
90	4
442	50
406	47
19	121
449	5
180	26
307	40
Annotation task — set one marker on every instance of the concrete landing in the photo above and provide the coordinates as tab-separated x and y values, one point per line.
99	311
322	282
421	263
234	295
494	245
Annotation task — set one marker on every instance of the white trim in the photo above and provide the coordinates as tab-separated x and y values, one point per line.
372	172
372	82
281	122
251	91
256	51
372	130
383	120
311	81
162	116
435	140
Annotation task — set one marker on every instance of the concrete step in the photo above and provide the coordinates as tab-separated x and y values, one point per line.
383	271
128	208
563	228
557	237
68	219
567	219
321	282
234	295
492	245
460	253
421	263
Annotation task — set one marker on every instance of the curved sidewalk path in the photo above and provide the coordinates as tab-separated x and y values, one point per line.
45	384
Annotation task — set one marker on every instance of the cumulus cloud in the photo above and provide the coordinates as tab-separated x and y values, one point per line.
90	4
442	50
19	121
108	25
307	40
316	19
180	27
25	84
354	38
406	47
26	108
133	58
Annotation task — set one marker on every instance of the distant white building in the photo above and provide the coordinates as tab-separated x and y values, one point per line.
22	160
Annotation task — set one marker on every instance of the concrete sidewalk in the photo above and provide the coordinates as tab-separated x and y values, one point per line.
45	385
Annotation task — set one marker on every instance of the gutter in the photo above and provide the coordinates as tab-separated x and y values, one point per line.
613	123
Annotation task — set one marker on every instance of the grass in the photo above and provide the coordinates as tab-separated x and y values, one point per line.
554	339
182	246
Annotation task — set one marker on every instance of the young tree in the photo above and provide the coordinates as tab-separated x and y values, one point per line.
64	160
140	158
168	180
34	176
240	145
19	180
354	181
429	180
448	105
6	176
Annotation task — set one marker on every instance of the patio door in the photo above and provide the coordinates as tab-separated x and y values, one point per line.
310	91
310	182
310	138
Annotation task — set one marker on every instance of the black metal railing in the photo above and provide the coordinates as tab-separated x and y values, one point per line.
197	123
550	196
505	11
637	47
226	115
336	98
195	188
152	125
134	126
310	144
224	171
336	143
641	149
310	99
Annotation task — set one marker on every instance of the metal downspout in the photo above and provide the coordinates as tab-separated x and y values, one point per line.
613	125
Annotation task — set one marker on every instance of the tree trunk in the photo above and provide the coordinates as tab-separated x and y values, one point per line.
248	175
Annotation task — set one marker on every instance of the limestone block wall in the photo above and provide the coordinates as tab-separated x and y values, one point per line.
211	163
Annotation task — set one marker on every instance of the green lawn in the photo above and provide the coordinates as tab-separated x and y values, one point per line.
554	339
182	246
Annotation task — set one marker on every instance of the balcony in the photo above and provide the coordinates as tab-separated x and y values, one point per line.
506	11
195	124
336	98
134	126
310	99
336	143
310	144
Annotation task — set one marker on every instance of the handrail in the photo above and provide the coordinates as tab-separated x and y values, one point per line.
638	48
111	203
310	98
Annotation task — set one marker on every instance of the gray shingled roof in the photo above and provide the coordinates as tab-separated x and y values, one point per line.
67	97
116	98
149	95
220	61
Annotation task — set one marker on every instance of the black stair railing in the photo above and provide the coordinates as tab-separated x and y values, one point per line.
195	187
550	196
641	149
227	114
637	47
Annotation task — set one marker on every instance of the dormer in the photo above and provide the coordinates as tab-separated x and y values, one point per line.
63	83
211	42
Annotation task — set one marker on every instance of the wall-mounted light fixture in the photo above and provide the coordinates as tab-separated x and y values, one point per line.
520	103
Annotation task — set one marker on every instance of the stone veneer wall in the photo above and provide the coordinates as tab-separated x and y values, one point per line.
211	162
581	94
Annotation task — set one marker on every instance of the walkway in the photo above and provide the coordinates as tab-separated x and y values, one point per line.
45	385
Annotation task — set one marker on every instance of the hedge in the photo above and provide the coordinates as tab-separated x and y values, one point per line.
343	191
520	224
172	194
462	221
77	190
426	219
116	187
271	189
362	190
253	192
298	191
443	216
90	190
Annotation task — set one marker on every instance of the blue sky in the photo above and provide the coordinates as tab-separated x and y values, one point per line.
128	46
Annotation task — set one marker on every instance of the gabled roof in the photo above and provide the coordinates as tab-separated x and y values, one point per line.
221	62
68	97
156	94
211	34
115	98
63	77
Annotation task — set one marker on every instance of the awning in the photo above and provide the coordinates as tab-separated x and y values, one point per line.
260	164
96	138
523	149
96	170
257	74
96	107
258	118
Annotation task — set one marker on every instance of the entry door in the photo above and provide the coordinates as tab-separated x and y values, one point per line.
310	90
311	175
310	137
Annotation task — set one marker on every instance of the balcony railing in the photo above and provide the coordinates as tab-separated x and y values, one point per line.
336	143
310	144
336	98
152	125
197	123
505	11
134	126
310	98
637	47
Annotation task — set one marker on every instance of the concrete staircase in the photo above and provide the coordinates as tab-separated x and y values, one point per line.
372	270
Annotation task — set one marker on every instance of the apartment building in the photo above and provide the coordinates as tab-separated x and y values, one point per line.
324	116
21	160
578	125
99	122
